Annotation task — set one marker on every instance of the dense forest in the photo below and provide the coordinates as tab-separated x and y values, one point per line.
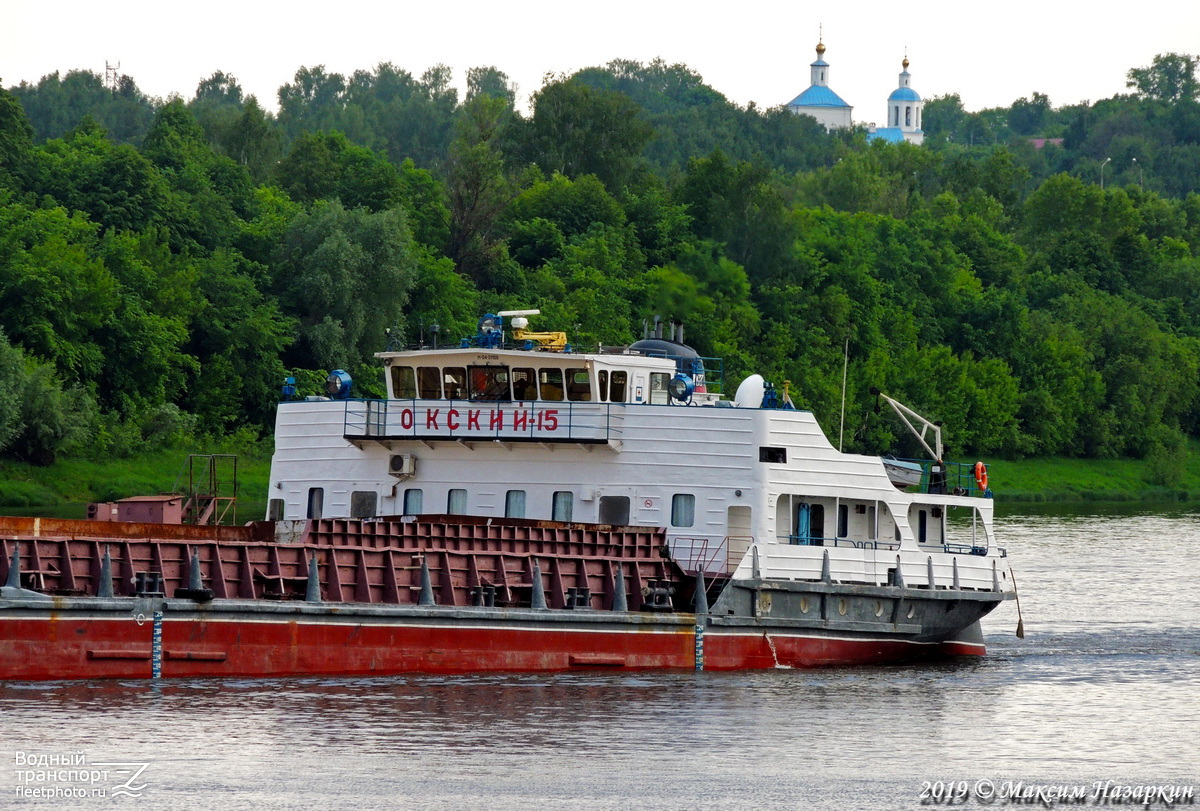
1030	276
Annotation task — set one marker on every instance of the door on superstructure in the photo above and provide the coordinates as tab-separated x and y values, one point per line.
810	524
738	533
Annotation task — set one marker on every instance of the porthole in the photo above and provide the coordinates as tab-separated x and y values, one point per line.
842	606
879	608
912	609
803	605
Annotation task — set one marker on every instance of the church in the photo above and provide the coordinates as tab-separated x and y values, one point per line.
903	122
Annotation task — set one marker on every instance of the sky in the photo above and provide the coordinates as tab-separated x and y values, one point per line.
989	53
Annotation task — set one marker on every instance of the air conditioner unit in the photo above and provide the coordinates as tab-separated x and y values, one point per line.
402	464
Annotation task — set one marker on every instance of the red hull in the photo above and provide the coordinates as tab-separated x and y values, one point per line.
64	647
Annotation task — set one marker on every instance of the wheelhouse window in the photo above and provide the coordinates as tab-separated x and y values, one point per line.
683	510
514	504
658	388
551	383
524	384
414	501
579	385
563	506
489	383
618	387
456	502
455	381
429	382
614	510
404	383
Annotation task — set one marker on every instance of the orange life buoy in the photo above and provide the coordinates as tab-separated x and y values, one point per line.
981	475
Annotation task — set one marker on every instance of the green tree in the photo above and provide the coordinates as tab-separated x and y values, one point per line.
1170	77
345	275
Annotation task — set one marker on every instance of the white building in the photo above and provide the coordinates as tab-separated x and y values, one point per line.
819	100
903	113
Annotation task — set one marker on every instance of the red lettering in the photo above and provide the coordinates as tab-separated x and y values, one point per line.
452	419
551	419
431	419
406	419
473	419
497	420
520	420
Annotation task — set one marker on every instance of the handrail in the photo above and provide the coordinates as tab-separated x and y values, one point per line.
799	540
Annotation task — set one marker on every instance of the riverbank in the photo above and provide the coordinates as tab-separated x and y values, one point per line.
1087	480
64	488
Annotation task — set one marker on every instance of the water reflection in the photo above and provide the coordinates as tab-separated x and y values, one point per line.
1105	685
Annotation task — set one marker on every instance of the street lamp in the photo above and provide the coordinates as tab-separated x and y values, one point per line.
1139	167
1107	161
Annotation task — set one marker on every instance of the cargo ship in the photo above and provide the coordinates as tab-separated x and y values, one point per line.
518	504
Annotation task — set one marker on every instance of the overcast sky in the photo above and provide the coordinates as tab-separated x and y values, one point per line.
988	53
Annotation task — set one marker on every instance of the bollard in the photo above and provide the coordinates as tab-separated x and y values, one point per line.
14	568
620	601
426	597
537	595
312	590
105	588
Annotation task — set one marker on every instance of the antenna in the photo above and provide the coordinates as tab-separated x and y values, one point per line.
110	75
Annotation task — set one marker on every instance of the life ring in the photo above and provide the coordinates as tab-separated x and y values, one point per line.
981	475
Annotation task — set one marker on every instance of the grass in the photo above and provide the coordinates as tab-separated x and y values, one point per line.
1065	480
69	484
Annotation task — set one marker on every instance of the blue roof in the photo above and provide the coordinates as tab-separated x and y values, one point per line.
820	63
818	96
892	135
904	94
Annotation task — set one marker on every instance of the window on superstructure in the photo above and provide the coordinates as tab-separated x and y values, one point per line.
683	510
404	383
275	508
614	510
514	504
551	384
618	387
456	502
524	384
843	520
602	375
363	503
454	381
563	506
579	385
316	501
922	526
489	383
658	388
429	382
414	501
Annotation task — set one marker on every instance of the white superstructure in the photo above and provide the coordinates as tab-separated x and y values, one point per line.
627	437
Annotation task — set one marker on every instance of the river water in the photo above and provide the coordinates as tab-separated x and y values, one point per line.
1104	687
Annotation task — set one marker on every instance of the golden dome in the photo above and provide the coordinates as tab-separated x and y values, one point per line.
820	48
905	63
